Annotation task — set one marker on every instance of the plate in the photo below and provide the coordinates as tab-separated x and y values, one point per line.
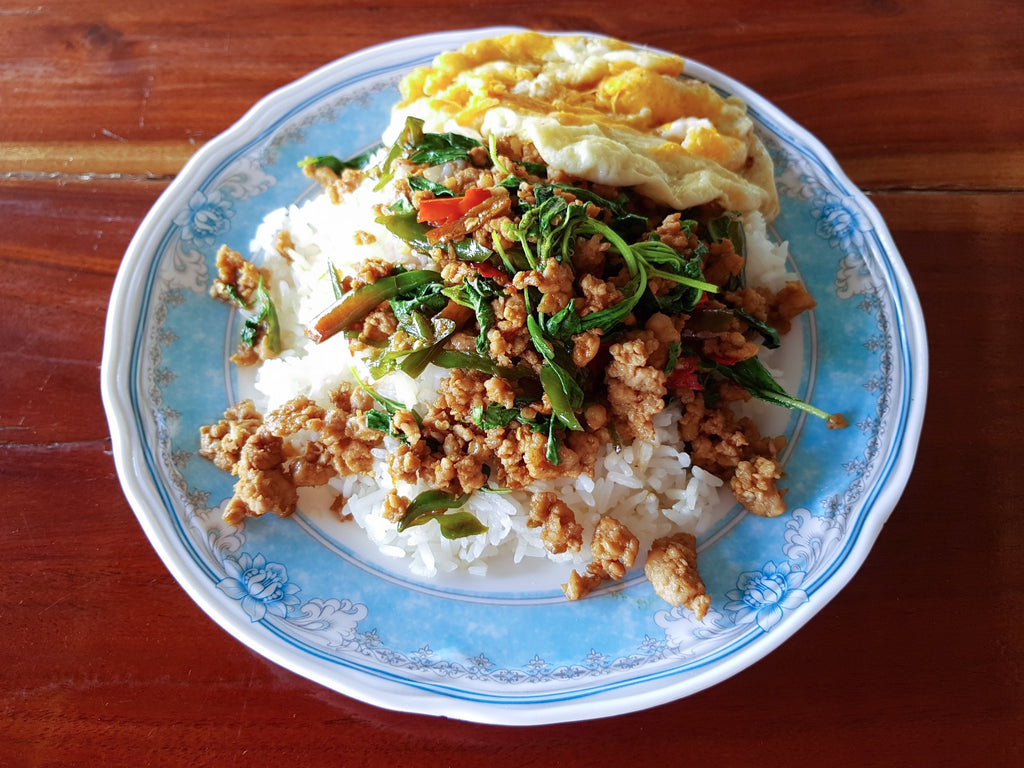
511	650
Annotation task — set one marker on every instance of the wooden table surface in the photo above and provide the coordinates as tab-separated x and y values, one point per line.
106	660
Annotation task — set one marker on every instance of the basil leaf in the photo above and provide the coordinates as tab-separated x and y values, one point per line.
438	148
357	304
673	356
552	450
564	394
478	293
449	358
412	308
378	420
410	136
768	332
564	324
459	525
433	505
422	184
758	381
730	227
337	165
263	318
493	416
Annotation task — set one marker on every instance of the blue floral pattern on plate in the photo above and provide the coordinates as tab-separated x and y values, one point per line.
520	654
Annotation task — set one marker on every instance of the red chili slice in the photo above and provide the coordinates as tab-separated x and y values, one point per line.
442	210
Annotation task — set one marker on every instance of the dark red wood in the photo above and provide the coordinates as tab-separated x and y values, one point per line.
106	661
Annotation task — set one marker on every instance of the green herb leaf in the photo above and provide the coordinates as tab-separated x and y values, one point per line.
756	379
390	406
450	358
433	505
439	148
768	332
263	319
564	324
421	184
337	165
403	225
493	416
414	307
378	420
409	137
730	227
673	356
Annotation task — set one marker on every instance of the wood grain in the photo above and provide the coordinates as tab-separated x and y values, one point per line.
107	661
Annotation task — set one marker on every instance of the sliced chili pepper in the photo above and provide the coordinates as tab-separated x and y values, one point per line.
722	360
491	271
442	210
684	376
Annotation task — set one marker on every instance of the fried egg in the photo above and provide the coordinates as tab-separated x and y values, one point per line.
602	110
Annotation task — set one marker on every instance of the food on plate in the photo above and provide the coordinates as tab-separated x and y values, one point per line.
532	323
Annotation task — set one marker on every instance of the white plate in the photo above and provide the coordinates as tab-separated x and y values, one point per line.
510	651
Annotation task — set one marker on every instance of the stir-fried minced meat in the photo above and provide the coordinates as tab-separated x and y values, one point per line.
299	444
590	255
718	441
263	485
336	185
722	263
788	303
239	283
348	439
597	294
457	456
753	484
237	278
395	506
222	442
671	567
585	347
635	388
613	550
294	415
559	530
555	283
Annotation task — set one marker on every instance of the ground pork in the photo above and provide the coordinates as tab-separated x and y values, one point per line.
298	444
263	486
613	550
395	506
753	484
672	232
336	185
555	282
722	263
559	530
718	441
671	568
222	442
237	283
635	388
787	304
597	294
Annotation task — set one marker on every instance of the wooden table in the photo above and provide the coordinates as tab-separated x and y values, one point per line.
106	661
